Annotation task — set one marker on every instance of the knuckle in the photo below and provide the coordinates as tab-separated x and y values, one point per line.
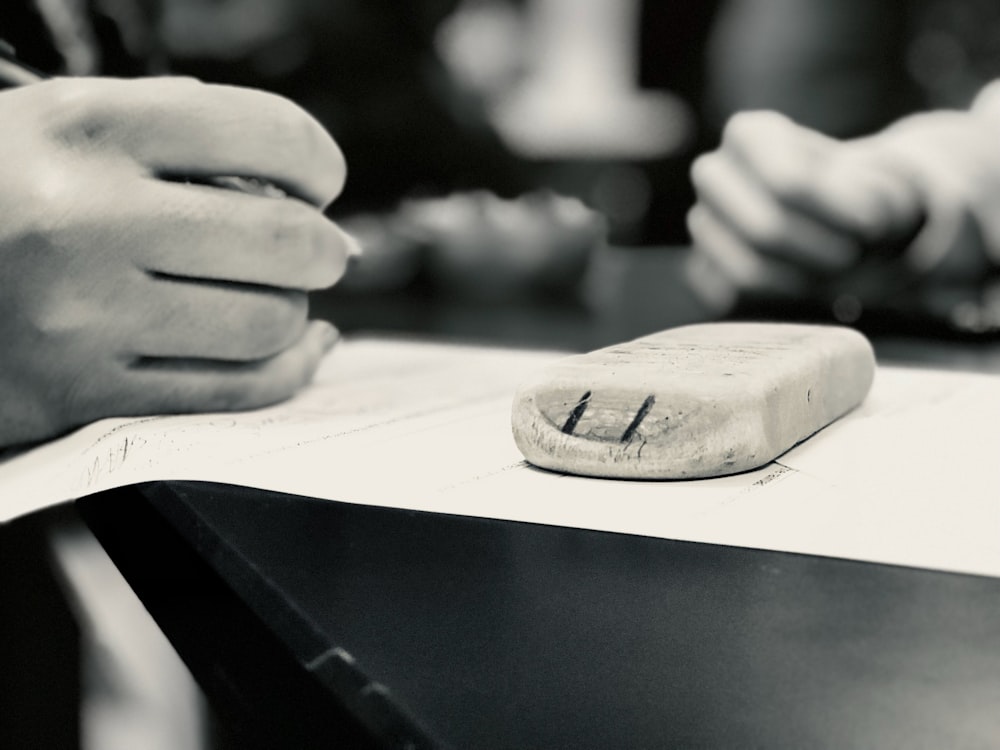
767	230
82	113
789	182
92	111
61	317
741	127
752	130
311	243
695	220
291	229
702	169
273	322
308	147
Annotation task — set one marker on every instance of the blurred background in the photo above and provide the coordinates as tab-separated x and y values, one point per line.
518	173
518	161
519	168
497	148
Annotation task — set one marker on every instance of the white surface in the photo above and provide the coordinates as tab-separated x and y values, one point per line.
912	477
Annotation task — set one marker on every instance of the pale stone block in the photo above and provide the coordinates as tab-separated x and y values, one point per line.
696	401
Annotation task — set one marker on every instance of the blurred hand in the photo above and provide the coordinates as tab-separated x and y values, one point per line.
129	282
784	211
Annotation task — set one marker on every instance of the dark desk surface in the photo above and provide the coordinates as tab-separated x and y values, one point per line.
490	634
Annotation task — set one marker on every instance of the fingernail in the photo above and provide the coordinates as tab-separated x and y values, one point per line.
251	185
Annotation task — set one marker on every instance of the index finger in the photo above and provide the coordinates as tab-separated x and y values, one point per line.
181	128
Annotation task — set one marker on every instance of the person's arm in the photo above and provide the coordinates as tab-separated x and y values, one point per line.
131	284
836	66
952	158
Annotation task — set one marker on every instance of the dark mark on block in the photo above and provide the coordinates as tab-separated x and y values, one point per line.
637	419
574	416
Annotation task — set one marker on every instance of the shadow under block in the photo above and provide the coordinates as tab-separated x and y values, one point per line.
695	401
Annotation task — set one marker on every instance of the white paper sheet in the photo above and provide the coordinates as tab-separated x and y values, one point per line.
912	477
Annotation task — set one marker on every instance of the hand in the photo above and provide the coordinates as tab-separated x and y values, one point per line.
784	211
129	283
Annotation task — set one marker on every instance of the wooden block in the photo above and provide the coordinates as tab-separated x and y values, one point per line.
696	401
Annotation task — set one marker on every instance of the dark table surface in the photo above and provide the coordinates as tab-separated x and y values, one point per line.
313	622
